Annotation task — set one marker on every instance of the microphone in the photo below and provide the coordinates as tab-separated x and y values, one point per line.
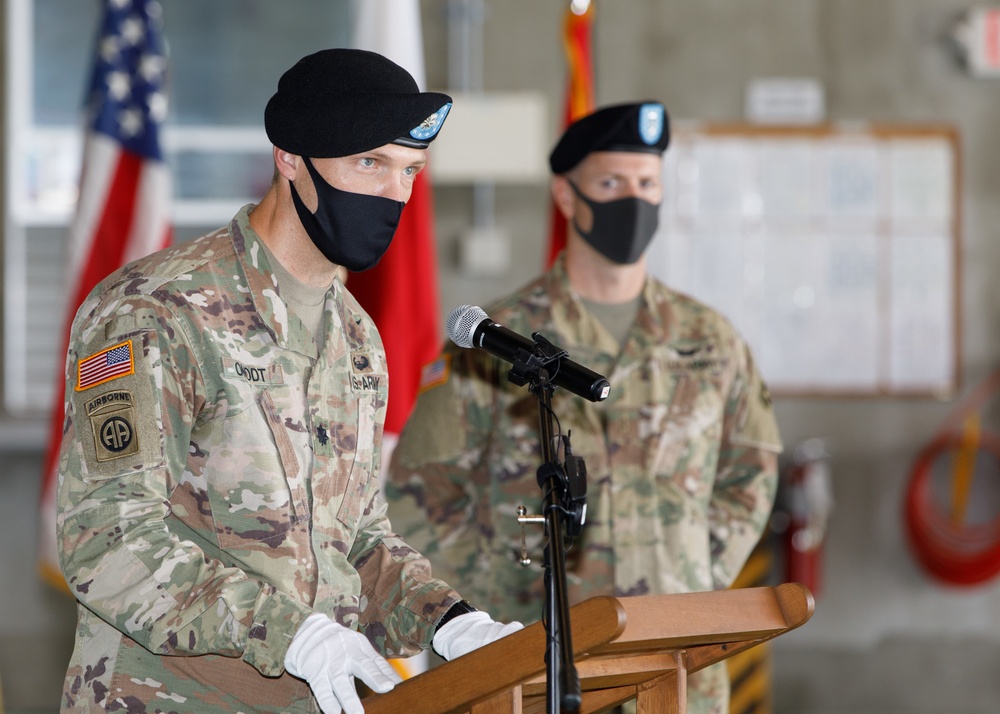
470	326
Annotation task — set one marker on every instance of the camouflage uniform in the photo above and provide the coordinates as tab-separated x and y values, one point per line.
681	458
219	483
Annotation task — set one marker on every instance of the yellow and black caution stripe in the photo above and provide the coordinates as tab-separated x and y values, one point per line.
750	670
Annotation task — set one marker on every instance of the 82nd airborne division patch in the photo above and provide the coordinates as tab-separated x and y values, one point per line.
112	420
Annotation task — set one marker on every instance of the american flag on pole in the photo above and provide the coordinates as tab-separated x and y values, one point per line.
577	23
124	198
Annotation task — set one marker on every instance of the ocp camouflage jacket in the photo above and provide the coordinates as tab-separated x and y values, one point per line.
219	483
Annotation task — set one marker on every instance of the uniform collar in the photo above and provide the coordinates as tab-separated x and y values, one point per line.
570	316
262	285
344	314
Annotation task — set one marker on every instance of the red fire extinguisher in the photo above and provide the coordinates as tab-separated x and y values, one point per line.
808	503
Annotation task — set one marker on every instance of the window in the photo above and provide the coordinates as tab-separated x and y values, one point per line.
225	60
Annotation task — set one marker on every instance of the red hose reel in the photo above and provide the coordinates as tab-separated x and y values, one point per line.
944	541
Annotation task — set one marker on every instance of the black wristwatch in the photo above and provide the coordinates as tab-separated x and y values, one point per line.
462	607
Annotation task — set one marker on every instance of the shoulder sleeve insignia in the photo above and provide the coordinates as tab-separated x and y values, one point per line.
110	363
112	420
434	374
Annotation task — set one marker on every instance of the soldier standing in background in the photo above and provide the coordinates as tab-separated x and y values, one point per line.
219	513
682	456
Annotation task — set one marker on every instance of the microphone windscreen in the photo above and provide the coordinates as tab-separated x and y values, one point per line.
462	324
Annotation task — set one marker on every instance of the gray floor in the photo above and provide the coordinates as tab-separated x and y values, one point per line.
903	675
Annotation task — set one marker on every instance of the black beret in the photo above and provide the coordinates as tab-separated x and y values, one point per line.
642	126
340	102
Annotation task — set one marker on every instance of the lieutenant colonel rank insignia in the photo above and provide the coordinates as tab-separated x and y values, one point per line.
108	364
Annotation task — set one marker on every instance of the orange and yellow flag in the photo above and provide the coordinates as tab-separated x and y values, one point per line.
577	26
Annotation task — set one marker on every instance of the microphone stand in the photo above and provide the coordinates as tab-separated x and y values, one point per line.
564	489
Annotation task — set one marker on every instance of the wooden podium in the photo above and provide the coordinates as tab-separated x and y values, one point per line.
625	648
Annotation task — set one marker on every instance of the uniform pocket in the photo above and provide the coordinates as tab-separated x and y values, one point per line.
355	490
663	446
249	468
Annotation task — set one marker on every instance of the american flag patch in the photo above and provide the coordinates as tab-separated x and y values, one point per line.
434	373
112	363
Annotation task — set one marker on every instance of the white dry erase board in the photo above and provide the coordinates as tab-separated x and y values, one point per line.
833	249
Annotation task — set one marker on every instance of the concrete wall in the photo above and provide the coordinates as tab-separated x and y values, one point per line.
885	637
884	634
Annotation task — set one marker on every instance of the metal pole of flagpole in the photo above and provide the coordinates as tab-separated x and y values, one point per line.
466	27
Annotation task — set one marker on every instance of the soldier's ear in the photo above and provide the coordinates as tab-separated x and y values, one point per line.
562	196
284	163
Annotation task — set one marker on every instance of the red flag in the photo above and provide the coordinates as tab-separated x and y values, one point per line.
401	293
577	24
123	208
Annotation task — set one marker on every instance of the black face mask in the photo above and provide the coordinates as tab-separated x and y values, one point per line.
621	229
351	229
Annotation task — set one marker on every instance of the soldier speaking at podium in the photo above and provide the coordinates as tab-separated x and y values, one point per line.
681	457
220	519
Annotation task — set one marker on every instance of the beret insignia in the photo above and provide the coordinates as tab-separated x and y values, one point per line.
430	126
651	123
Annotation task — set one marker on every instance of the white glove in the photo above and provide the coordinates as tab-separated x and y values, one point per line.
328	656
468	632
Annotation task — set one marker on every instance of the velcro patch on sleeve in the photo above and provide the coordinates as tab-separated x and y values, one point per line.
758	426
434	374
116	412
112	421
108	364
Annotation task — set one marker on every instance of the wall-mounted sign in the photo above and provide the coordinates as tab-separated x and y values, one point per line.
785	101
